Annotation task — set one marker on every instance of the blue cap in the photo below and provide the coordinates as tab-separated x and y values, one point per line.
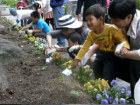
12	11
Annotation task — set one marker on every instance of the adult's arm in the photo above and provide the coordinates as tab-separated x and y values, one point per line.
53	34
43	5
135	55
84	34
78	10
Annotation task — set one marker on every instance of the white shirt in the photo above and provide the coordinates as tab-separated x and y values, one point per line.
23	14
48	8
134	32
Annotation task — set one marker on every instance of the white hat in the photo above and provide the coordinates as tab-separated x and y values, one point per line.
68	21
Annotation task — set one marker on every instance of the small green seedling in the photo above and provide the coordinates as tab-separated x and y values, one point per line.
11	31
44	68
22	83
13	36
61	76
38	58
37	52
24	41
75	93
30	47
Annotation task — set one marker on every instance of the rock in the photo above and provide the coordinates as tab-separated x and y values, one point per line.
3	79
1	26
2	30
10	53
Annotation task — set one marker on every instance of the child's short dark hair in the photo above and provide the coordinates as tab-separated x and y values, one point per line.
35	14
122	8
97	10
75	37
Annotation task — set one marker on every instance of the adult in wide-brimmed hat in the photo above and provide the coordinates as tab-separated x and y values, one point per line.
73	31
67	25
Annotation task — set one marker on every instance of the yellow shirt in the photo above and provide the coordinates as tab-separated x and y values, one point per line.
107	40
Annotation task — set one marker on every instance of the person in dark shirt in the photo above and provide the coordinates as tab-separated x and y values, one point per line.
87	4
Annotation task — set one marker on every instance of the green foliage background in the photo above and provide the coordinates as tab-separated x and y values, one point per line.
138	4
11	3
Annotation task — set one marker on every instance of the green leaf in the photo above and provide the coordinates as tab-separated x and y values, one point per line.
39	58
75	93
61	76
44	67
37	52
24	41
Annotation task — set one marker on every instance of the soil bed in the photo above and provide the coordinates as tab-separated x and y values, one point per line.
29	84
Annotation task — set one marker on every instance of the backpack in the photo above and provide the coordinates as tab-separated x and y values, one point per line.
55	3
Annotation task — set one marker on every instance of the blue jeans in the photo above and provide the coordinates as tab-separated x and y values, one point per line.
57	13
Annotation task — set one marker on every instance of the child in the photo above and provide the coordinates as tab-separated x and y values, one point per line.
128	17
74	38
40	27
21	5
20	14
48	14
106	37
37	7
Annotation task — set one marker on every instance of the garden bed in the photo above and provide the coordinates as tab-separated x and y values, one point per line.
30	84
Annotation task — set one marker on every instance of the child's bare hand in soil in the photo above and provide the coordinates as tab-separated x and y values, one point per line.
75	63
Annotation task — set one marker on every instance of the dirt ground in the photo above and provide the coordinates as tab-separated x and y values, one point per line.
29	84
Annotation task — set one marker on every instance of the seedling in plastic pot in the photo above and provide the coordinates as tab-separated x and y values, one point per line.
61	77
44	68
75	93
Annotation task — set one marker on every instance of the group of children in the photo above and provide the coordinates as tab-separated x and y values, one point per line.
103	38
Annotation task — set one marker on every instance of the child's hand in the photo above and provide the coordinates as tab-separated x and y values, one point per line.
124	51
75	63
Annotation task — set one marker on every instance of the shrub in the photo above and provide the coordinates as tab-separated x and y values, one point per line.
138	4
11	3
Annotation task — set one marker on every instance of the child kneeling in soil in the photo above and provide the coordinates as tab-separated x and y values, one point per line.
20	14
106	37
40	27
74	38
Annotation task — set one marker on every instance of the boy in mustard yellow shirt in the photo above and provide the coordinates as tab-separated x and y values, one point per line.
106	37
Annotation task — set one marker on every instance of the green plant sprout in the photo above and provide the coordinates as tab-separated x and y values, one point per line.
22	83
37	52
24	41
44	68
61	77
38	58
30	47
75	93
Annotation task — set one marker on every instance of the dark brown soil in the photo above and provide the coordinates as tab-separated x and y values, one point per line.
29	84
